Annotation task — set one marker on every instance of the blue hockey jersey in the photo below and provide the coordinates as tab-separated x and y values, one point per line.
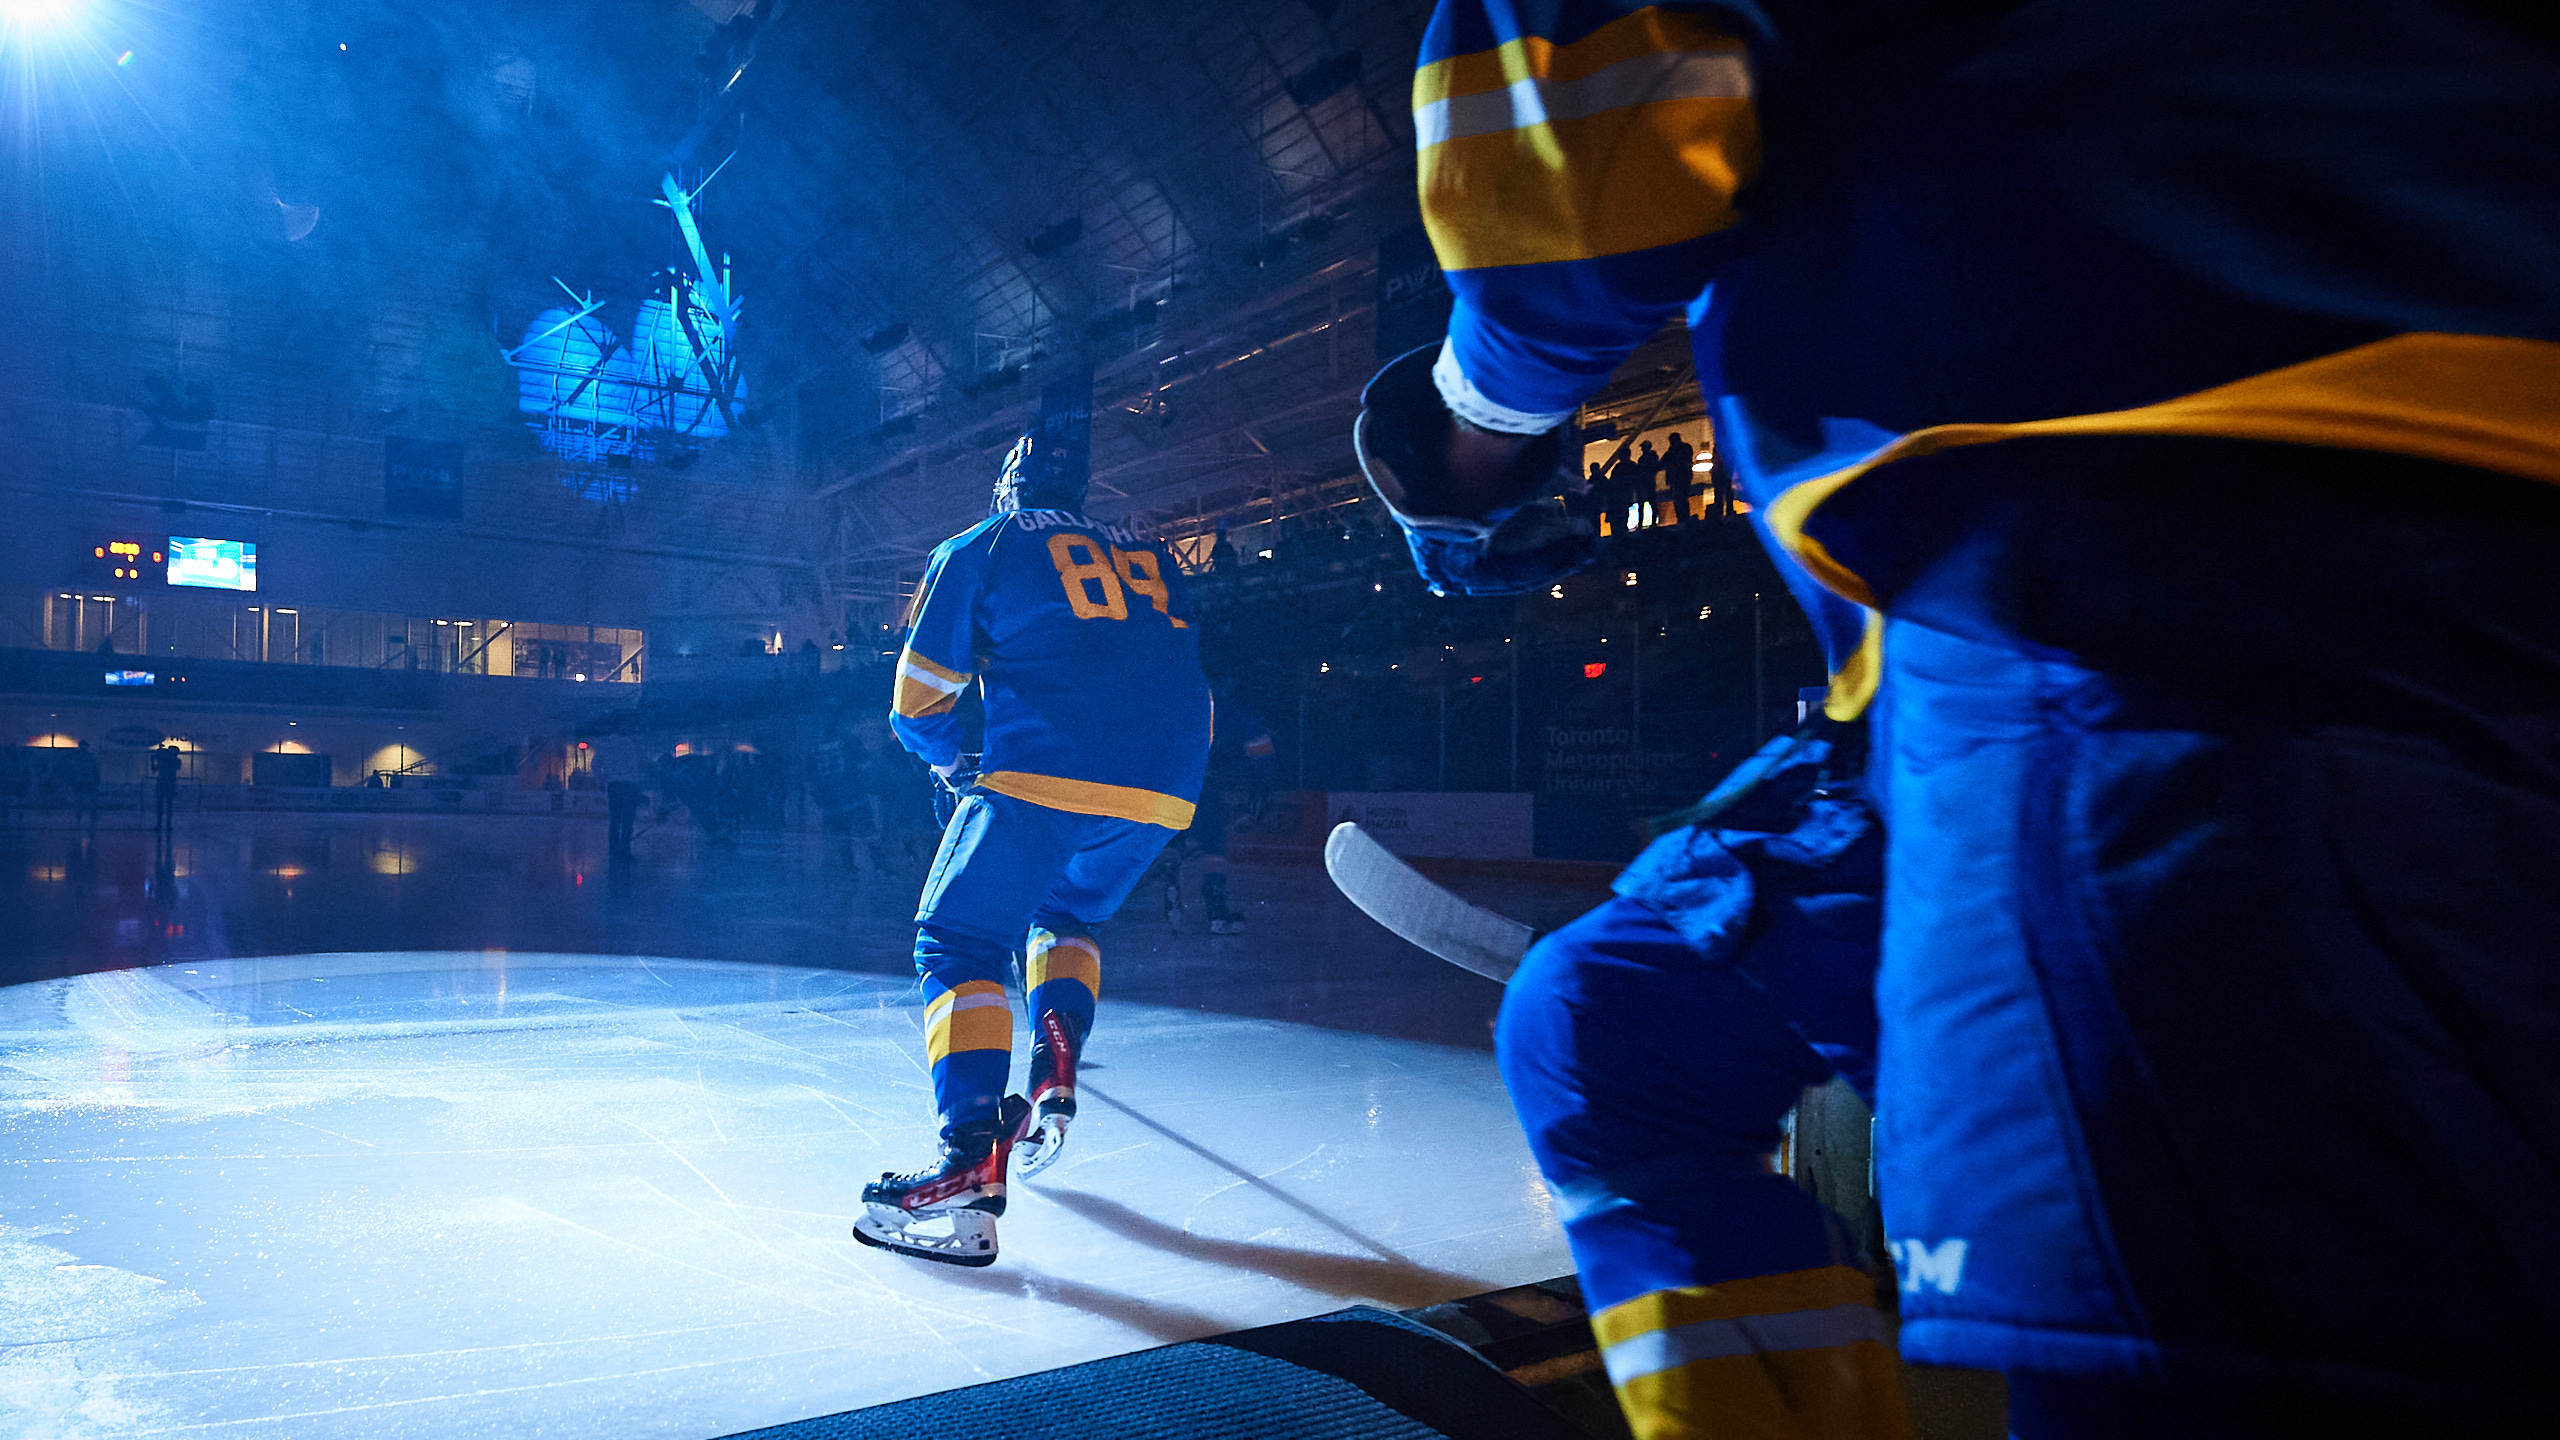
1903	229
1909	235
1081	635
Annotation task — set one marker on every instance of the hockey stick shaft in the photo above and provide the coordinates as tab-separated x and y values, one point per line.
1399	897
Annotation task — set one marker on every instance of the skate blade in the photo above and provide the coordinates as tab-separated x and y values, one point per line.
972	1241
1038	1150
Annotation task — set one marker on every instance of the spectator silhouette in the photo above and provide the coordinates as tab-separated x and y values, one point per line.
1680	477
82	768
165	764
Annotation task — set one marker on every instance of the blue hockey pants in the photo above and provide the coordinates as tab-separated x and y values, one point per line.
1013	874
1652	1049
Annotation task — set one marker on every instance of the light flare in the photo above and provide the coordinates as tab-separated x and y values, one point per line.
32	14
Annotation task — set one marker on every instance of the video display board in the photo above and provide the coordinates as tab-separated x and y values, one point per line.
213	564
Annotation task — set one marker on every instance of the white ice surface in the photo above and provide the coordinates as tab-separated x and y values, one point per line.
434	1194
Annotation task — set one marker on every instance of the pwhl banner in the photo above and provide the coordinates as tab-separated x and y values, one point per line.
1066	427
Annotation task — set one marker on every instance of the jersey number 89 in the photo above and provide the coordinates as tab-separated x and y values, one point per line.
1095	585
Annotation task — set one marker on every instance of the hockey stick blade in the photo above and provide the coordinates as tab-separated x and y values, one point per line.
1397	896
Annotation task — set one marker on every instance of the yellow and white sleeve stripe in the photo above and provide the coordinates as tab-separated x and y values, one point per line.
925	688
1799	1356
1634	136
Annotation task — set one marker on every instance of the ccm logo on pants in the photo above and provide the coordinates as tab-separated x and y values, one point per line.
1920	1265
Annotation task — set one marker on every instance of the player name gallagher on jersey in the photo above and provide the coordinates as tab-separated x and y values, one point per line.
1069	520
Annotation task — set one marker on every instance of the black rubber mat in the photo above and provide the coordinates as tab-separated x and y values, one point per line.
1357	1374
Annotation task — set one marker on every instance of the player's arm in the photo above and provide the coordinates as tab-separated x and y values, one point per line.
1577	172
934	668
1575	175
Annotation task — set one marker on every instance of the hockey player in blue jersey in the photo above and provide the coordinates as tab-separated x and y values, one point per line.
1096	732
2176	387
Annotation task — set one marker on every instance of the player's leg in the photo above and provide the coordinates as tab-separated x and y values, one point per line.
1166	878
1207	838
998	856
1064	971
1062	978
1653	1081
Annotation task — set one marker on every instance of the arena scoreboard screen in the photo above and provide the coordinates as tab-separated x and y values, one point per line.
213	564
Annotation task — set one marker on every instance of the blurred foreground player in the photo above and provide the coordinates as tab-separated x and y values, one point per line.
1096	733
2181	384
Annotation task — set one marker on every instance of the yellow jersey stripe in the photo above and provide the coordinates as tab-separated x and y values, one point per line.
917	699
2490	402
1753	1295
1650	31
1614	183
1853	686
1091	797
1695	75
1632	137
923	668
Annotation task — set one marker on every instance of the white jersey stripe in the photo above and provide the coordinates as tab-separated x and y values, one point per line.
930	680
1678	75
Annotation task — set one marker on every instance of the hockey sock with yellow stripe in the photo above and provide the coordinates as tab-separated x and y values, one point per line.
968	1044
1651	1077
1798	1356
1063	973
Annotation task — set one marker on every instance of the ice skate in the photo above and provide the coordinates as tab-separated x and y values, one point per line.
946	1212
1055	1047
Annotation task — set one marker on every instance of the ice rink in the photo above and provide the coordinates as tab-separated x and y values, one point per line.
511	1192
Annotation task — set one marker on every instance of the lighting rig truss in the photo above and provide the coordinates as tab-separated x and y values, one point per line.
601	396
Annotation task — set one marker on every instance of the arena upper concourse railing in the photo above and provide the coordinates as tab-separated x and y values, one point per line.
184	626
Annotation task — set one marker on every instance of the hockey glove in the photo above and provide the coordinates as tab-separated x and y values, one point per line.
949	788
1520	541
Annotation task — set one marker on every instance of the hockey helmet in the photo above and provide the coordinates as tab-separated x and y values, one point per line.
1031	480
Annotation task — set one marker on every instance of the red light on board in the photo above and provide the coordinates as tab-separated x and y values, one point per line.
1595	669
